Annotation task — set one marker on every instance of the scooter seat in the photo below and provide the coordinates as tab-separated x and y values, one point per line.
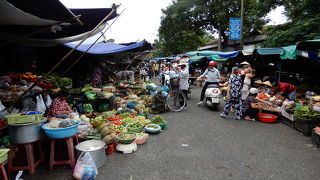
213	86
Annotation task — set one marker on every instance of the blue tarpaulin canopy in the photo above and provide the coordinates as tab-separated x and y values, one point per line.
228	54
111	48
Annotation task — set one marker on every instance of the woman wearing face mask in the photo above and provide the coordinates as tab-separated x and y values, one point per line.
213	77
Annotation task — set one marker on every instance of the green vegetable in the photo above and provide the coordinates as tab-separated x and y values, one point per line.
64	82
125	115
305	113
87	88
103	107
158	120
87	108
90	95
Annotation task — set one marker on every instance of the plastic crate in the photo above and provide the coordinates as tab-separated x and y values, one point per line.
287	121
19	119
306	127
3	155
316	139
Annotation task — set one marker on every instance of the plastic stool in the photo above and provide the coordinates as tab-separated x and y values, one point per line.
32	164
70	146
3	170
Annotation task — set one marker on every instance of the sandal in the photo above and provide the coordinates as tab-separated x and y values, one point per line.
199	103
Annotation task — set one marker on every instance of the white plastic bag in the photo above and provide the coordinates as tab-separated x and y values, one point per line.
2	107
41	107
49	100
85	168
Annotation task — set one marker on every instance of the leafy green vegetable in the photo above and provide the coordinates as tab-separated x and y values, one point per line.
305	113
158	120
87	108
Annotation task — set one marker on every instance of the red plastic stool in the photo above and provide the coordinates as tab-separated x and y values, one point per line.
3	170
32	164
70	146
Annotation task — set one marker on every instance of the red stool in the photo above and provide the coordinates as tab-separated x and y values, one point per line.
70	146
32	164
3	170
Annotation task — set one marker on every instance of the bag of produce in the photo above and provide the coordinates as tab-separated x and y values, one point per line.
152	87
85	168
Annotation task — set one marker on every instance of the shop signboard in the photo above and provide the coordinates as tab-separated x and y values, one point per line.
235	28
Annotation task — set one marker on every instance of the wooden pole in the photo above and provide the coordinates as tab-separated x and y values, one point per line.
241	35
68	54
77	60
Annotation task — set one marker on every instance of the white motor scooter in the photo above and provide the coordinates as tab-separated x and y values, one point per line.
212	96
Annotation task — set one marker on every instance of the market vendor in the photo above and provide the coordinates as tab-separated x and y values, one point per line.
59	105
285	89
250	107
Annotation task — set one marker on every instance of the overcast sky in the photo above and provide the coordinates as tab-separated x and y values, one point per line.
141	18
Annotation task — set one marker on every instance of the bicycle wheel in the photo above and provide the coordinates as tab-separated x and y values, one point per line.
176	101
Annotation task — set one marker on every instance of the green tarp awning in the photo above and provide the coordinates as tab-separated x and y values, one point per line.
195	59
289	52
270	51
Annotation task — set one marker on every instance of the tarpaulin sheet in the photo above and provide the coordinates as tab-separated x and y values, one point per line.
228	54
20	18
107	48
218	58
270	51
195	59
289	52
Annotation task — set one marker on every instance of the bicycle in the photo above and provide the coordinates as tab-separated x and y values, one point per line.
176	99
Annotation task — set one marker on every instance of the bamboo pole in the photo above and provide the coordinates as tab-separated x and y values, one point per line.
68	54
78	59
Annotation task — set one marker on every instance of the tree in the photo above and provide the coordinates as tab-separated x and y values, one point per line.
176	35
304	24
183	17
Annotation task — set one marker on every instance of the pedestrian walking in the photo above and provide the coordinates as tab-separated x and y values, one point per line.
234	95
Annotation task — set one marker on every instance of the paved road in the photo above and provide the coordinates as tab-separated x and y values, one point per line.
197	144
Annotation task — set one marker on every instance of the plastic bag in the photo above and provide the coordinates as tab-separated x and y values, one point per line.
49	100
85	168
75	115
2	107
41	107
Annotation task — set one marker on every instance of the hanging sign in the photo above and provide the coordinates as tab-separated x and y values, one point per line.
235	28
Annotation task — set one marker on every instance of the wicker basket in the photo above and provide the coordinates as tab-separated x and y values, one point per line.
19	119
3	155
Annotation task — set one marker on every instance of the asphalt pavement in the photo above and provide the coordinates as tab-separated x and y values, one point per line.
197	144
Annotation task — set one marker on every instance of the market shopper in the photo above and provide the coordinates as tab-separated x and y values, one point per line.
213	77
183	73
247	83
285	89
59	105
234	95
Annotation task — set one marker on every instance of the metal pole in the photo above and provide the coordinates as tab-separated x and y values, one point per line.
241	40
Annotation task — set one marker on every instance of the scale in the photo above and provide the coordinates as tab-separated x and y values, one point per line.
127	148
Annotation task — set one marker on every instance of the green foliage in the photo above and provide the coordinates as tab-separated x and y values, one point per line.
304	24
185	22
